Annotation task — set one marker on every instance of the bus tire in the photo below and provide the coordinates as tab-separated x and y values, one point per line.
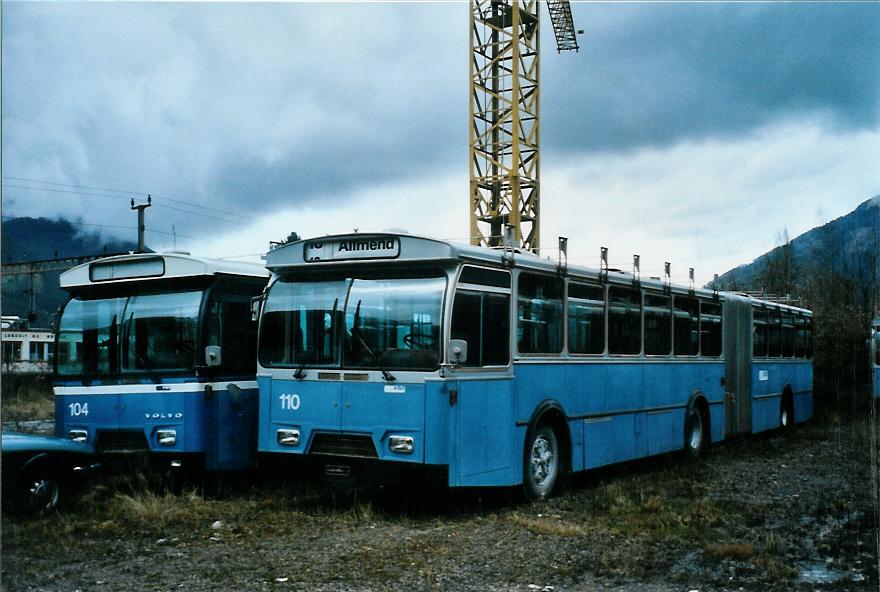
786	413
542	462
695	432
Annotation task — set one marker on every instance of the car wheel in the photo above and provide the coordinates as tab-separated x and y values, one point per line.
40	492
541	470
695	433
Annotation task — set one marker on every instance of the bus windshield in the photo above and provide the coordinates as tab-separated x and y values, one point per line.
160	332
88	337
383	324
143	333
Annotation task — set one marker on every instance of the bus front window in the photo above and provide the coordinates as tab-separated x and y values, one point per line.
300	323
394	324
88	337
385	324
160	332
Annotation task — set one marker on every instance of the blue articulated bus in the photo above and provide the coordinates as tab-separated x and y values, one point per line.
155	353
500	368
874	346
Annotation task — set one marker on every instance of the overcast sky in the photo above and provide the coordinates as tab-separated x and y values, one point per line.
694	133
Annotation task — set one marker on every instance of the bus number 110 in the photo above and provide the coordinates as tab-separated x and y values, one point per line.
289	402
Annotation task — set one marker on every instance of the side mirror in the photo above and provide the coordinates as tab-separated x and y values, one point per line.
457	351
255	307
212	356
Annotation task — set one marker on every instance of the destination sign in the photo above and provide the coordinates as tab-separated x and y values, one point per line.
347	249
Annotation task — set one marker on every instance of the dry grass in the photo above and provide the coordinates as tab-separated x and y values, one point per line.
737	551
551	525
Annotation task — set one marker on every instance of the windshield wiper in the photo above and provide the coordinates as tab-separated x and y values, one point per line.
387	375
300	373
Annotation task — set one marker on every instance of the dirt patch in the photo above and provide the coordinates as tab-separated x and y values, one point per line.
790	511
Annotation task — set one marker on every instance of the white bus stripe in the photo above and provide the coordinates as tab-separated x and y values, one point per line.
157	389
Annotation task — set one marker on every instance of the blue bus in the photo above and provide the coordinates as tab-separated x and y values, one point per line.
500	368
874	346
155	353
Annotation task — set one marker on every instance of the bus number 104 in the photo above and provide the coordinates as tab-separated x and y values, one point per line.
77	409
289	402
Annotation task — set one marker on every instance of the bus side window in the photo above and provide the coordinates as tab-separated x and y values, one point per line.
787	335
586	319
624	321
710	329
658	325
686	326
483	320
540	314
759	334
775	340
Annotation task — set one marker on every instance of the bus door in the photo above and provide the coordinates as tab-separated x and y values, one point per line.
738	359
231	396
483	443
482	431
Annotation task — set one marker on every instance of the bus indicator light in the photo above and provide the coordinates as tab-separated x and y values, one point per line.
401	444
288	437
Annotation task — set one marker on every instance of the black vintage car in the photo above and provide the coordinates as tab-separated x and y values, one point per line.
38	470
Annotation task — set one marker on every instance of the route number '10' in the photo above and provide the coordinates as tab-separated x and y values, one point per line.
77	409
289	402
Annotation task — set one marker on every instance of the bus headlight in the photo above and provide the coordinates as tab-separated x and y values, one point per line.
78	435
166	437
401	444
288	437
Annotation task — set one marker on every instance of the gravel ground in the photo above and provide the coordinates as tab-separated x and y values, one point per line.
793	511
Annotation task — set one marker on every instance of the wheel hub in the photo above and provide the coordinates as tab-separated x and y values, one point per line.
541	460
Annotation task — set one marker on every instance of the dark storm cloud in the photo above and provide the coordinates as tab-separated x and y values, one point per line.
252	107
657	74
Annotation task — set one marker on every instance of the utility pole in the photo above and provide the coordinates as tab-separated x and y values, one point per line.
141	225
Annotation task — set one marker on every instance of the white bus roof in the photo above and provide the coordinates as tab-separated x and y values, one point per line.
153	266
359	248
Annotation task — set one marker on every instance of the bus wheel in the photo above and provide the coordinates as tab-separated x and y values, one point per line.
541	469
786	417
695	433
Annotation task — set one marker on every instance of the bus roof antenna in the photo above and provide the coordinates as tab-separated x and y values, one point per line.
563	253
691	280
636	271
603	265
667	273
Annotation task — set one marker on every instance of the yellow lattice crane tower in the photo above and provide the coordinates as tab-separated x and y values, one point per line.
504	112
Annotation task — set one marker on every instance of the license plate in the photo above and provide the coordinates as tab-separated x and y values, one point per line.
337	471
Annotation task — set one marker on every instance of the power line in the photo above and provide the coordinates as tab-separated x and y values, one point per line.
75	223
127	194
84	194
